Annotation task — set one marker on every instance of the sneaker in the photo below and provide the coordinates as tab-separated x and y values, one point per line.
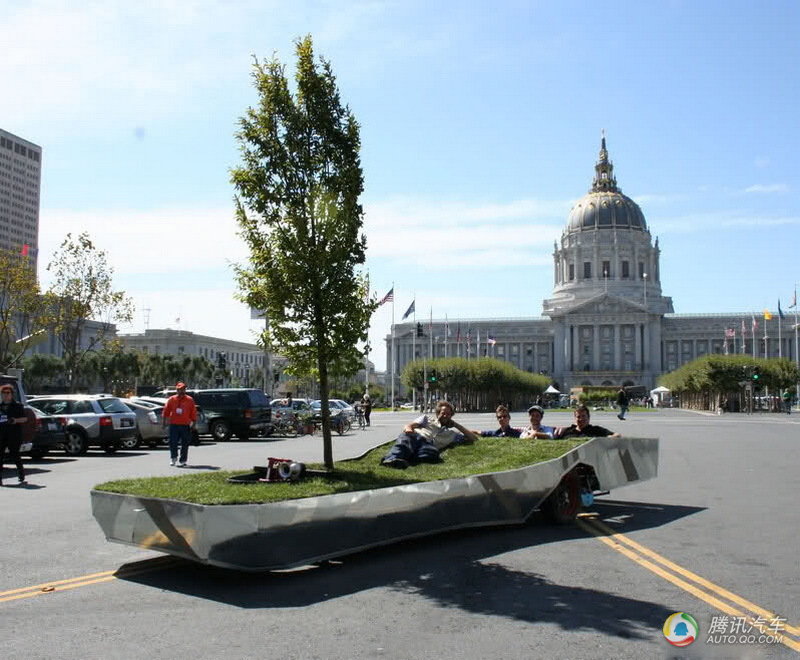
172	462
182	464
397	463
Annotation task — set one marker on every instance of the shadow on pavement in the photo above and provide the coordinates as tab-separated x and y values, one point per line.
456	570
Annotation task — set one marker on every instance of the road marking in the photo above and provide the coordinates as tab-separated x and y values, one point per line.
643	556
128	570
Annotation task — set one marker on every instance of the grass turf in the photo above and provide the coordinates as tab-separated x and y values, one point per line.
488	455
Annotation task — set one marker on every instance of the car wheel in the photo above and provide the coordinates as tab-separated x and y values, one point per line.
39	452
76	443
563	504
131	443
220	430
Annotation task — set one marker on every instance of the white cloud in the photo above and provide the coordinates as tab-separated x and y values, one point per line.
714	221
767	188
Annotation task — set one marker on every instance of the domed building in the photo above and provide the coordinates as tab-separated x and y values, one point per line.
607	322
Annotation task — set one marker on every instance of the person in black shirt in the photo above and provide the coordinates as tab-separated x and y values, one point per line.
505	430
583	429
12	417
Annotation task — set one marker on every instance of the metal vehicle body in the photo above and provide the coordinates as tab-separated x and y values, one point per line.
283	534
45	433
92	420
149	427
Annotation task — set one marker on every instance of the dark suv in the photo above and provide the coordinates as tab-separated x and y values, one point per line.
245	412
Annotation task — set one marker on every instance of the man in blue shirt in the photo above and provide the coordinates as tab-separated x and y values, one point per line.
505	430
537	429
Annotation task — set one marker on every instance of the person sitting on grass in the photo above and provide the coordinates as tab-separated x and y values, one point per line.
423	439
505	430
583	429
536	429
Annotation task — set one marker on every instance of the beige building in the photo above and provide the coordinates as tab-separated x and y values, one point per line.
245	361
20	181
607	321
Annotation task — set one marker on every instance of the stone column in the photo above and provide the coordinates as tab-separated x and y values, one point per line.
596	348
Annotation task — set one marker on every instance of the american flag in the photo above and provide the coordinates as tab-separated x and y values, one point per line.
389	297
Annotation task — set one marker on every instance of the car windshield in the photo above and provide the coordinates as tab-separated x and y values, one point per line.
258	398
113	406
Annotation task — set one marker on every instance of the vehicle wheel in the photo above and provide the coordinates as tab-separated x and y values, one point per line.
563	504
110	449
39	452
131	443
76	443
220	430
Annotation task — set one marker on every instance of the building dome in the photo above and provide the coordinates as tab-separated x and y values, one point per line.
605	207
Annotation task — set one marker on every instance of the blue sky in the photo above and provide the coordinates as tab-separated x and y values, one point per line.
480	127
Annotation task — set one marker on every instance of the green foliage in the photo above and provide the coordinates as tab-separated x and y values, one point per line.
24	314
488	455
594	396
41	370
723	373
82	290
298	211
166	370
480	383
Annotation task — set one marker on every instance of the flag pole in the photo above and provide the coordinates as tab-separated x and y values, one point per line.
393	349
780	313
414	347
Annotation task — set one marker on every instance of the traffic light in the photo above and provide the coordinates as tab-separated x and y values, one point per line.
432	377
419	330
756	374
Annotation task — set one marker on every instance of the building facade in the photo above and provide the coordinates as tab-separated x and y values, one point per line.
20	181
607	321
244	361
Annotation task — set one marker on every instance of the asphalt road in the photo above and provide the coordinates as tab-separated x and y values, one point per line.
715	535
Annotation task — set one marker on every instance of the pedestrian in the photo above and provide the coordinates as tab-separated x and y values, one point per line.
622	402
366	402
12	417
180	414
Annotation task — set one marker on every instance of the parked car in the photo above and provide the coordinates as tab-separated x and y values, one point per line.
158	403
336	406
92	420
46	432
149	428
231	410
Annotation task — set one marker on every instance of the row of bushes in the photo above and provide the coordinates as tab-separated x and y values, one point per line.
478	384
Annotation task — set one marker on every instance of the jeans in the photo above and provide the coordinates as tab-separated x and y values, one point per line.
412	447
179	434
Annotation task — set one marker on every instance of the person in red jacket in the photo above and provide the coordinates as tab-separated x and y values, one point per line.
180	414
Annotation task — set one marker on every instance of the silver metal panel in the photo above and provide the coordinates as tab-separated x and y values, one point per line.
258	537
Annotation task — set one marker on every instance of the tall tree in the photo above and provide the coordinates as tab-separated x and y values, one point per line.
24	313
298	210
82	291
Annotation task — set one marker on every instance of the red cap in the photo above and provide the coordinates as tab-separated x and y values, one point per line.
180	385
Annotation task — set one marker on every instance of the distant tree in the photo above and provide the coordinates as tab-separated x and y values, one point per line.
298	210
114	367
42	371
24	314
81	291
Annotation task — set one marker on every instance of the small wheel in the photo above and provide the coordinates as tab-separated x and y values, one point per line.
220	430
131	443
75	443
563	504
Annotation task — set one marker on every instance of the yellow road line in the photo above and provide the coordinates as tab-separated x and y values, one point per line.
610	538
47	588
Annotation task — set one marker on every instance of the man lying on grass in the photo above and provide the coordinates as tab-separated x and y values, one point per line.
423	439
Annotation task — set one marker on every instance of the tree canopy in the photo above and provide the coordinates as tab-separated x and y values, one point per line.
298	210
